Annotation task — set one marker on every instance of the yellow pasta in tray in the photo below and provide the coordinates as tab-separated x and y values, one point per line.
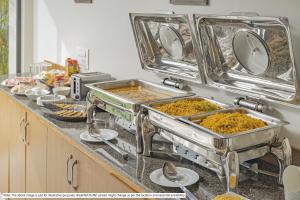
227	197
138	93
187	107
231	123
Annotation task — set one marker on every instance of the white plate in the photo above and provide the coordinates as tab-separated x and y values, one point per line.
34	93
189	177
107	134
6	85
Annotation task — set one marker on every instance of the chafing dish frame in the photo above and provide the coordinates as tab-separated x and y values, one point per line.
123	107
221	154
218	143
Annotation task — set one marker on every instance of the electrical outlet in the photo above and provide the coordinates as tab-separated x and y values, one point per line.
82	56
83	1
189	2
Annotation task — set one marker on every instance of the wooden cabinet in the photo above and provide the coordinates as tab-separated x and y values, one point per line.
27	151
35	158
59	155
90	176
17	148
69	170
5	116
36	152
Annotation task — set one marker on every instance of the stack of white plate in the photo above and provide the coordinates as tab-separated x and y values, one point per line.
291	182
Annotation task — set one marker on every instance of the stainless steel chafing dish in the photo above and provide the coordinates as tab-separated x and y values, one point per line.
167	48
126	108
189	129
127	104
165	121
221	143
248	55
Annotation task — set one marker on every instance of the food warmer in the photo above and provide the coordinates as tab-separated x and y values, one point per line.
248	55
183	65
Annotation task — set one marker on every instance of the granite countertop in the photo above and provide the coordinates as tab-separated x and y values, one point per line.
138	168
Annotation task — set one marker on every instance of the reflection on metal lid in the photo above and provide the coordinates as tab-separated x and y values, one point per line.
249	55
251	52
166	45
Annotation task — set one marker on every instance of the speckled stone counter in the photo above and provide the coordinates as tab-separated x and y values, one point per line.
138	168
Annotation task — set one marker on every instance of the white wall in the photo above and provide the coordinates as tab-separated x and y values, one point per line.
104	27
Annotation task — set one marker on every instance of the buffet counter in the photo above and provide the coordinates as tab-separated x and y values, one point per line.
135	171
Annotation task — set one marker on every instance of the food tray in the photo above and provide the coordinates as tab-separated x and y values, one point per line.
16	80
166	121
234	194
61	118
151	106
54	107
190	133
100	90
272	123
49	110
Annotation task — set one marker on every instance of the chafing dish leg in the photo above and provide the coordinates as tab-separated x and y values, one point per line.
283	152
232	170
148	131
90	109
139	136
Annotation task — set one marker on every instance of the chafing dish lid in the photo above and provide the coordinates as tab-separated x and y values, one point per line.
166	45
249	55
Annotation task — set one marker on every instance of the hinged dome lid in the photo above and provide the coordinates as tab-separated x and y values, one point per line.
249	55
166	45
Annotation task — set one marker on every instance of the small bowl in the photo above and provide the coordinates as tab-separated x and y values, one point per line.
50	99
35	93
65	91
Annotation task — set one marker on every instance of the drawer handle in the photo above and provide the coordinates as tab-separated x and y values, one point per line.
25	133
22	130
75	186
67	168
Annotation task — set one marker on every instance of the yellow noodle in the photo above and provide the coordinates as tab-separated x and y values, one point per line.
138	93
187	107
231	123
227	197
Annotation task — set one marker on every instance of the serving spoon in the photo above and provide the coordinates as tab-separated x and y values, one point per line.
170	172
95	133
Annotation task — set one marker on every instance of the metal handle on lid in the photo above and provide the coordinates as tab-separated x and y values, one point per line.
173	83
250	104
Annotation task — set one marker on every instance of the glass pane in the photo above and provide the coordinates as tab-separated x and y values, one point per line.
4	36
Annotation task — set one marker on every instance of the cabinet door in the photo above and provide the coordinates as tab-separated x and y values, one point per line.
58	160
5	117
89	176
36	153
17	148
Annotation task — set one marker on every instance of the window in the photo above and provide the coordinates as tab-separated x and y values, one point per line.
4	36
